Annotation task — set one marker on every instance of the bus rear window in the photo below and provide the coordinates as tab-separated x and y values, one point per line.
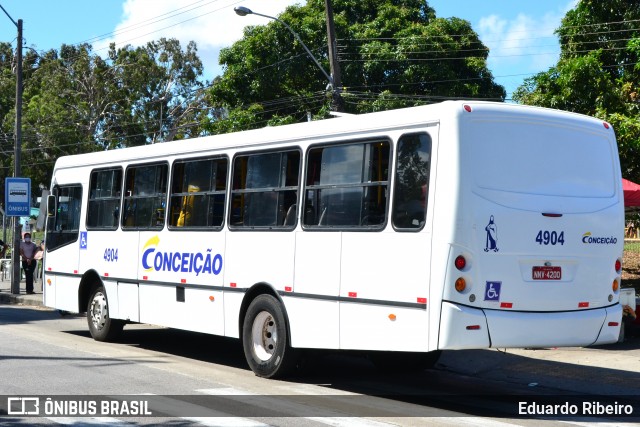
540	159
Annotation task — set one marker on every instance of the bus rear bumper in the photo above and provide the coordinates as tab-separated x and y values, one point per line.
465	327
558	329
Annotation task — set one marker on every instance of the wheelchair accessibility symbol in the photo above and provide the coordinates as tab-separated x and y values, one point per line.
492	291
83	240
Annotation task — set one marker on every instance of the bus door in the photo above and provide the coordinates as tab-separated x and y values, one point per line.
62	243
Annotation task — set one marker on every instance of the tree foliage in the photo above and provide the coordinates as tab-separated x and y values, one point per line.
75	101
598	72
393	53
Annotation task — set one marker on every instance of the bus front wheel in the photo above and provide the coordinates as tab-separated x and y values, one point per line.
101	326
265	339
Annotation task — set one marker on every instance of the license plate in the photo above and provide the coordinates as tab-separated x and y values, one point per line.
546	273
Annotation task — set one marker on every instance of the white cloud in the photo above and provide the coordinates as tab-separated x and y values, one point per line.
522	46
212	24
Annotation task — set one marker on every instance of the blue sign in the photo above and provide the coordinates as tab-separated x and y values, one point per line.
83	240
492	291
17	196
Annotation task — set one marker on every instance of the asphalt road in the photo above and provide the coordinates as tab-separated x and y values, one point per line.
188	378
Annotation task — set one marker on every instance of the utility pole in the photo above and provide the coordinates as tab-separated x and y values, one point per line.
337	103
15	253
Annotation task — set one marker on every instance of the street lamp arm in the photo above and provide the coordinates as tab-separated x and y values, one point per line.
243	11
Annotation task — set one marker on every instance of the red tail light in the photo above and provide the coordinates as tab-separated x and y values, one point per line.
460	262
618	266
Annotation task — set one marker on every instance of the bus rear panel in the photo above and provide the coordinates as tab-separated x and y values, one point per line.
537	246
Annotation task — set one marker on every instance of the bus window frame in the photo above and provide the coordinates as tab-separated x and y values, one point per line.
50	234
388	183
395	184
120	204
281	150
124	197
225	192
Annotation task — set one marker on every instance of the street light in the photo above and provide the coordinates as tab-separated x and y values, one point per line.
244	11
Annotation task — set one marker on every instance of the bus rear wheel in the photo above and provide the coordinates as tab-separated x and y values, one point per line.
265	339
101	326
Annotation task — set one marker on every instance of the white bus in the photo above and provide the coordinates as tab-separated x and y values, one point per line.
461	225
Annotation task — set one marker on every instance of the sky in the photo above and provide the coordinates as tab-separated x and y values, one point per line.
519	34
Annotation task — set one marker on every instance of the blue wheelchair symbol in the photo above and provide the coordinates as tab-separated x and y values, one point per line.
83	240
492	291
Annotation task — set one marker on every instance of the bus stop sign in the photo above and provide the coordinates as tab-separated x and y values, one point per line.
17	196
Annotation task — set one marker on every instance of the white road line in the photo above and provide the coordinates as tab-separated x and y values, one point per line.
225	422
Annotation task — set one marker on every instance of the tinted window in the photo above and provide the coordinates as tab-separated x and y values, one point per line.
347	185
104	199
198	193
412	181
63	228
145	195
265	190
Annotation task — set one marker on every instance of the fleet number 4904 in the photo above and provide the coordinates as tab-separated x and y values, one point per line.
111	255
546	237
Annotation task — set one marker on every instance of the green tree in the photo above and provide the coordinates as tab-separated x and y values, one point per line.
394	53
76	101
598	72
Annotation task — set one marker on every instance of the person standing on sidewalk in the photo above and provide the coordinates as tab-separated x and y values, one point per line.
28	251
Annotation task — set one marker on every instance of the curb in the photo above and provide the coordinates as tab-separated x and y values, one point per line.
33	300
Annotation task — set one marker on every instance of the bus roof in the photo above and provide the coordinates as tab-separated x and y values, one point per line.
344	126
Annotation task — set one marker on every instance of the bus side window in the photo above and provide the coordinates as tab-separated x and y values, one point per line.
198	191
412	181
63	228
265	190
145	196
105	187
347	186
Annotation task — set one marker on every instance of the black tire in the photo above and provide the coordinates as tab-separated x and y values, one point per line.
265	339
101	326
399	362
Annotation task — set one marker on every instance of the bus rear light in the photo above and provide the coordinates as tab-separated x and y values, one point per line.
613	323
467	108
506	305
606	125
473	327
618	266
615	285
460	262
461	284
583	304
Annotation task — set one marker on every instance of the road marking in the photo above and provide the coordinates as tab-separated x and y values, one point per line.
225	422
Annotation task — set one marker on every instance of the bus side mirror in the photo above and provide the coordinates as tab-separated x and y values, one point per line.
52	205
